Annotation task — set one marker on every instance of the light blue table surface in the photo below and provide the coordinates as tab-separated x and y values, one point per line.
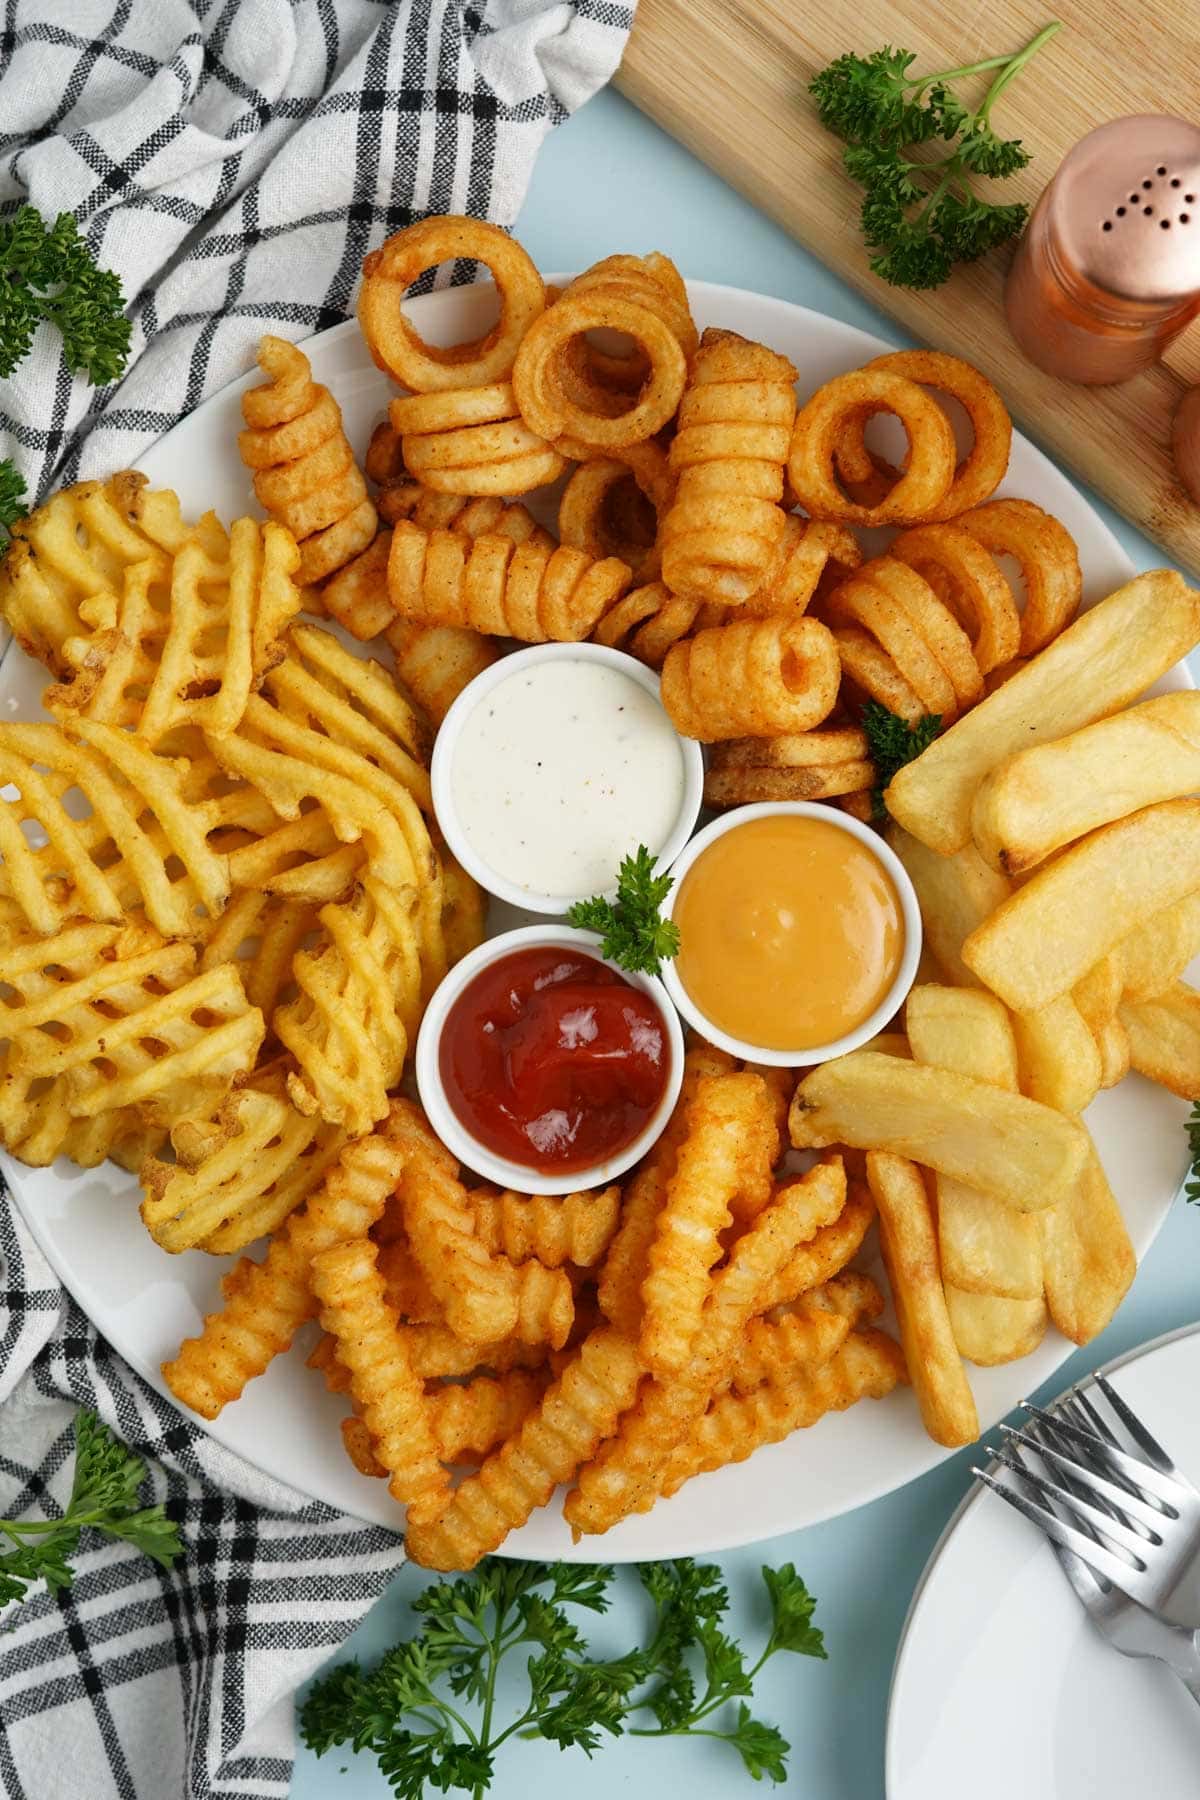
609	180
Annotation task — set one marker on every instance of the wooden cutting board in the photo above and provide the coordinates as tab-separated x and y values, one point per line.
729	79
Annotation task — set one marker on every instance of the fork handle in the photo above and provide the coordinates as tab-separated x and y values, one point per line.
1190	1679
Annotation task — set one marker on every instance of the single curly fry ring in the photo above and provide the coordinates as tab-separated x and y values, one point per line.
541	389
869	478
395	344
934	621
968	579
860	602
921	487
608	508
1045	553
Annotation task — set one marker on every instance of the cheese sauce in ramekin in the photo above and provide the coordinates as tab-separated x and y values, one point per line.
800	933
553	766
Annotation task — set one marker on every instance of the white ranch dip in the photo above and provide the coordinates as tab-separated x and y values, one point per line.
561	771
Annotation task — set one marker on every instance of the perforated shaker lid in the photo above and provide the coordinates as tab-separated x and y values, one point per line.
1125	208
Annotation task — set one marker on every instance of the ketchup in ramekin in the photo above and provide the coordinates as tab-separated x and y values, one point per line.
551	1059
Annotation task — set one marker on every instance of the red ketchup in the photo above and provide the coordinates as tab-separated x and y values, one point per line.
551	1059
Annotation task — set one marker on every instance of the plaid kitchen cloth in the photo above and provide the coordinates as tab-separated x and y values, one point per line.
233	160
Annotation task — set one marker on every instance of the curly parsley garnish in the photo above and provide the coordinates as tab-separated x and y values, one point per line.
103	1498
1192	1127
892	742
48	273
921	217
411	1709
635	936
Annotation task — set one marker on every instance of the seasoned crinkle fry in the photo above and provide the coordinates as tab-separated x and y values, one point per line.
94	866
485	1297
577	1413
489	584
1011	1147
908	1239
266	1302
1070	914
829	1249
554	1228
407	1289
305	473
1109	656
1164	1038
696	1209
731	443
1042	798
438	1351
386	1391
807	1334
756	677
1087	1258
471	1418
626	1474
624	1270
356	1440
868	1366
237	1176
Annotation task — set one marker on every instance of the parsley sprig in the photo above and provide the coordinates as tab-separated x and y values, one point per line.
1192	1127
104	1497
635	936
12	499
48	273
920	217
410	1709
892	742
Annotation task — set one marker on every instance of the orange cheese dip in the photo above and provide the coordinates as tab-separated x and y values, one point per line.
791	932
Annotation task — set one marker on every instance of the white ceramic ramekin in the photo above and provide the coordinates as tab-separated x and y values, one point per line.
446	744
455	1135
905	975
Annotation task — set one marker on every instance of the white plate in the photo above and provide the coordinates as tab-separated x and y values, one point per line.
1002	1686
145	1301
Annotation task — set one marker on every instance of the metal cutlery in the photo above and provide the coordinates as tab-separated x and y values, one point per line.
1125	1527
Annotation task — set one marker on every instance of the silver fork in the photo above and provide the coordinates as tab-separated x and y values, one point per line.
1126	1528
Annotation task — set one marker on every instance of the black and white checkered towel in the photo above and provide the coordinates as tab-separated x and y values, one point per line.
233	160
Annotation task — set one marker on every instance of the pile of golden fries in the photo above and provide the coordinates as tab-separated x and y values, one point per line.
226	902
213	975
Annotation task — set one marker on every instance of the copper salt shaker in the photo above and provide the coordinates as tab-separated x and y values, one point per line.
1108	271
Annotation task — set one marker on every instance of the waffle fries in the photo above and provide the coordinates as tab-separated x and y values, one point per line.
223	911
